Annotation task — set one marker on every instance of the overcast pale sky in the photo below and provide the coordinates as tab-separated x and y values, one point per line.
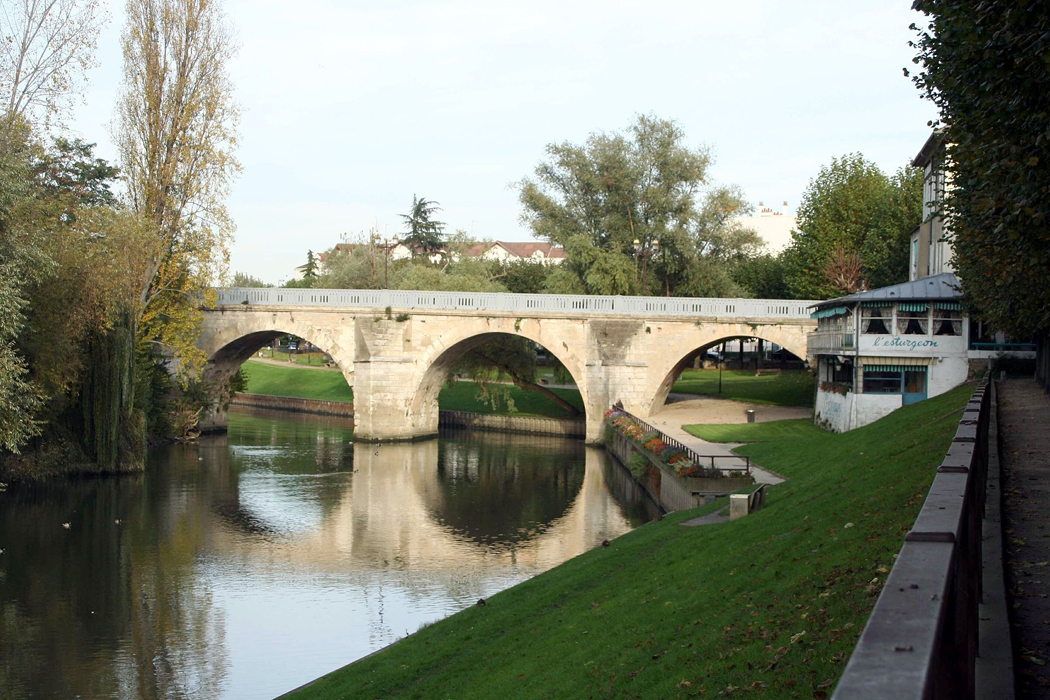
350	108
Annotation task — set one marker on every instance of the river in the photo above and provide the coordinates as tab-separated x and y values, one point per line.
251	563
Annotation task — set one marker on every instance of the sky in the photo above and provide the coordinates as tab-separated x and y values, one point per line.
349	109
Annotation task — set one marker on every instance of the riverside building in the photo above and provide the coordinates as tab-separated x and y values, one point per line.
881	349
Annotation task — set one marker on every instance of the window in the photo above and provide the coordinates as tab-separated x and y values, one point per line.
835	323
876	319
882	382
913	319
947	320
835	371
842	373
915	382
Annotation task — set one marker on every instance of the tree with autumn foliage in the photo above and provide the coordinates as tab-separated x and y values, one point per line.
176	133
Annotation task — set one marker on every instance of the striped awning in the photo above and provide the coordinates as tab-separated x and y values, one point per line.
894	368
830	311
871	362
949	305
887	302
913	306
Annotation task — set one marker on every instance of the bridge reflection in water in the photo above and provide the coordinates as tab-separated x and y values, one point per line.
259	560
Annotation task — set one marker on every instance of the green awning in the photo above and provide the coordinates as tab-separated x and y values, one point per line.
830	311
894	368
949	305
869	304
913	306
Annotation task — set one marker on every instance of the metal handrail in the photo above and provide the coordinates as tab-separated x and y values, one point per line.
921	639
523	303
693	454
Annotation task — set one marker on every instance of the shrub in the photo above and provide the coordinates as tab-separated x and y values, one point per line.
638	464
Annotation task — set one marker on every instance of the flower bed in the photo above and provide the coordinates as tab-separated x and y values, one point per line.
652	442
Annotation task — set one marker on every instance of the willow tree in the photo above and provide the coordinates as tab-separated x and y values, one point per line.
176	135
636	214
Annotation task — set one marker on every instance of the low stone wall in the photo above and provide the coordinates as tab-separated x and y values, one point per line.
565	427
670	491
342	409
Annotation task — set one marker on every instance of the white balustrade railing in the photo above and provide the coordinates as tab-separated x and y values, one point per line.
510	303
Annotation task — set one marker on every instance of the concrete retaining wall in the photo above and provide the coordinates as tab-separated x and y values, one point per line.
566	427
287	403
660	481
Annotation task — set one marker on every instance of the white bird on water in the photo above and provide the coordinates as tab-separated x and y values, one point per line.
65	525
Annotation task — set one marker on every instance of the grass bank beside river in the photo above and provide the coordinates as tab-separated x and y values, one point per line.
773	602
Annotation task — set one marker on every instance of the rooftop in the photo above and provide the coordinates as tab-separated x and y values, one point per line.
943	286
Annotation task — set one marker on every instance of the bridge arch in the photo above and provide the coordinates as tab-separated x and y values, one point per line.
230	339
667	368
438	359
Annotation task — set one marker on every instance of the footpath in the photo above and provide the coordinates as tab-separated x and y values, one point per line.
1024	430
690	409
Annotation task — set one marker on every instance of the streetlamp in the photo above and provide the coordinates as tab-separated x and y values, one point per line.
640	252
387	245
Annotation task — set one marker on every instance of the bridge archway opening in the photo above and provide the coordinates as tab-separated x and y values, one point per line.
232	353
751	353
543	388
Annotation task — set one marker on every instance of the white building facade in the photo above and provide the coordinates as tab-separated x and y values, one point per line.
885	348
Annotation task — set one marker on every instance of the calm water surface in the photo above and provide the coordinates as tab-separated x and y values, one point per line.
249	564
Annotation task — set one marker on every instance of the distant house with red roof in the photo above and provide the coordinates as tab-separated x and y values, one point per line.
508	251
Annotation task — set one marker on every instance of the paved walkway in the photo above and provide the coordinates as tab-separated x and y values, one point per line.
693	410
1024	430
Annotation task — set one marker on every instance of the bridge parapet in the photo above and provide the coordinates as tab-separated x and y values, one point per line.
559	304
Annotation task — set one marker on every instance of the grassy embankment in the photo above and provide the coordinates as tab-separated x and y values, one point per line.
772	602
783	389
299	382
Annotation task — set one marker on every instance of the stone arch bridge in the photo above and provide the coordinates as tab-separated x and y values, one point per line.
396	348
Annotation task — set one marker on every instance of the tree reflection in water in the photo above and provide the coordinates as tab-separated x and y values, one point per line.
503	489
249	564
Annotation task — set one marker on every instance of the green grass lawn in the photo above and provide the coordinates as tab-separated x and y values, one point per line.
299	382
466	396
755	432
784	389
773	602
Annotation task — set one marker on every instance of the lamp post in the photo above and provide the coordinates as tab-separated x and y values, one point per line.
641	252
721	361
387	244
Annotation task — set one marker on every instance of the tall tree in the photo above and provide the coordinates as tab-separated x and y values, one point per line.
47	48
423	233
311	266
851	211
625	207
984	64
20	397
176	121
